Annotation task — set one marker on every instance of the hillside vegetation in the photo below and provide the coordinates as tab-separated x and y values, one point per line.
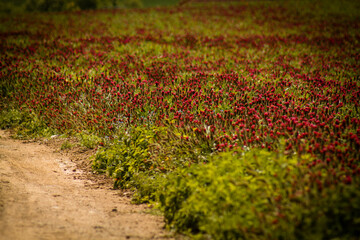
237	120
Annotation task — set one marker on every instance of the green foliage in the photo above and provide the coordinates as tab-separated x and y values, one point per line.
25	124
147	185
14	6
156	3
141	157
33	128
124	158
66	145
259	195
132	3
12	118
324	8
89	140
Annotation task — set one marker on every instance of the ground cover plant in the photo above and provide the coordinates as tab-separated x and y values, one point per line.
241	120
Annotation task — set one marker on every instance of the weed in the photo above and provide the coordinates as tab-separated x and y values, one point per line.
89	140
66	145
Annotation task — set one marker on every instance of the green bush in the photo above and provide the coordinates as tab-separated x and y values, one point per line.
89	140
141	155
124	158
147	185
260	195
12	118
133	160
24	124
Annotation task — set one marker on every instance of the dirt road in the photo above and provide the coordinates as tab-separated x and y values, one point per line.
43	197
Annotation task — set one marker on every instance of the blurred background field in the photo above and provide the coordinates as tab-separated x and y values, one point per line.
16	6
320	7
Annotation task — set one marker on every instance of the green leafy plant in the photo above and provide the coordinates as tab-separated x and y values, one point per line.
142	156
259	195
89	140
12	118
127	156
66	145
25	124
146	185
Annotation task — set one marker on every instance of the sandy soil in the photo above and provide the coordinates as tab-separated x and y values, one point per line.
50	194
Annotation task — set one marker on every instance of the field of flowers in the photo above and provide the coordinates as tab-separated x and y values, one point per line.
240	120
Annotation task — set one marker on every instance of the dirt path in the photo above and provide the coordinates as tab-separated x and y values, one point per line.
43	197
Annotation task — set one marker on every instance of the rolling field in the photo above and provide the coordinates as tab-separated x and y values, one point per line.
238	120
